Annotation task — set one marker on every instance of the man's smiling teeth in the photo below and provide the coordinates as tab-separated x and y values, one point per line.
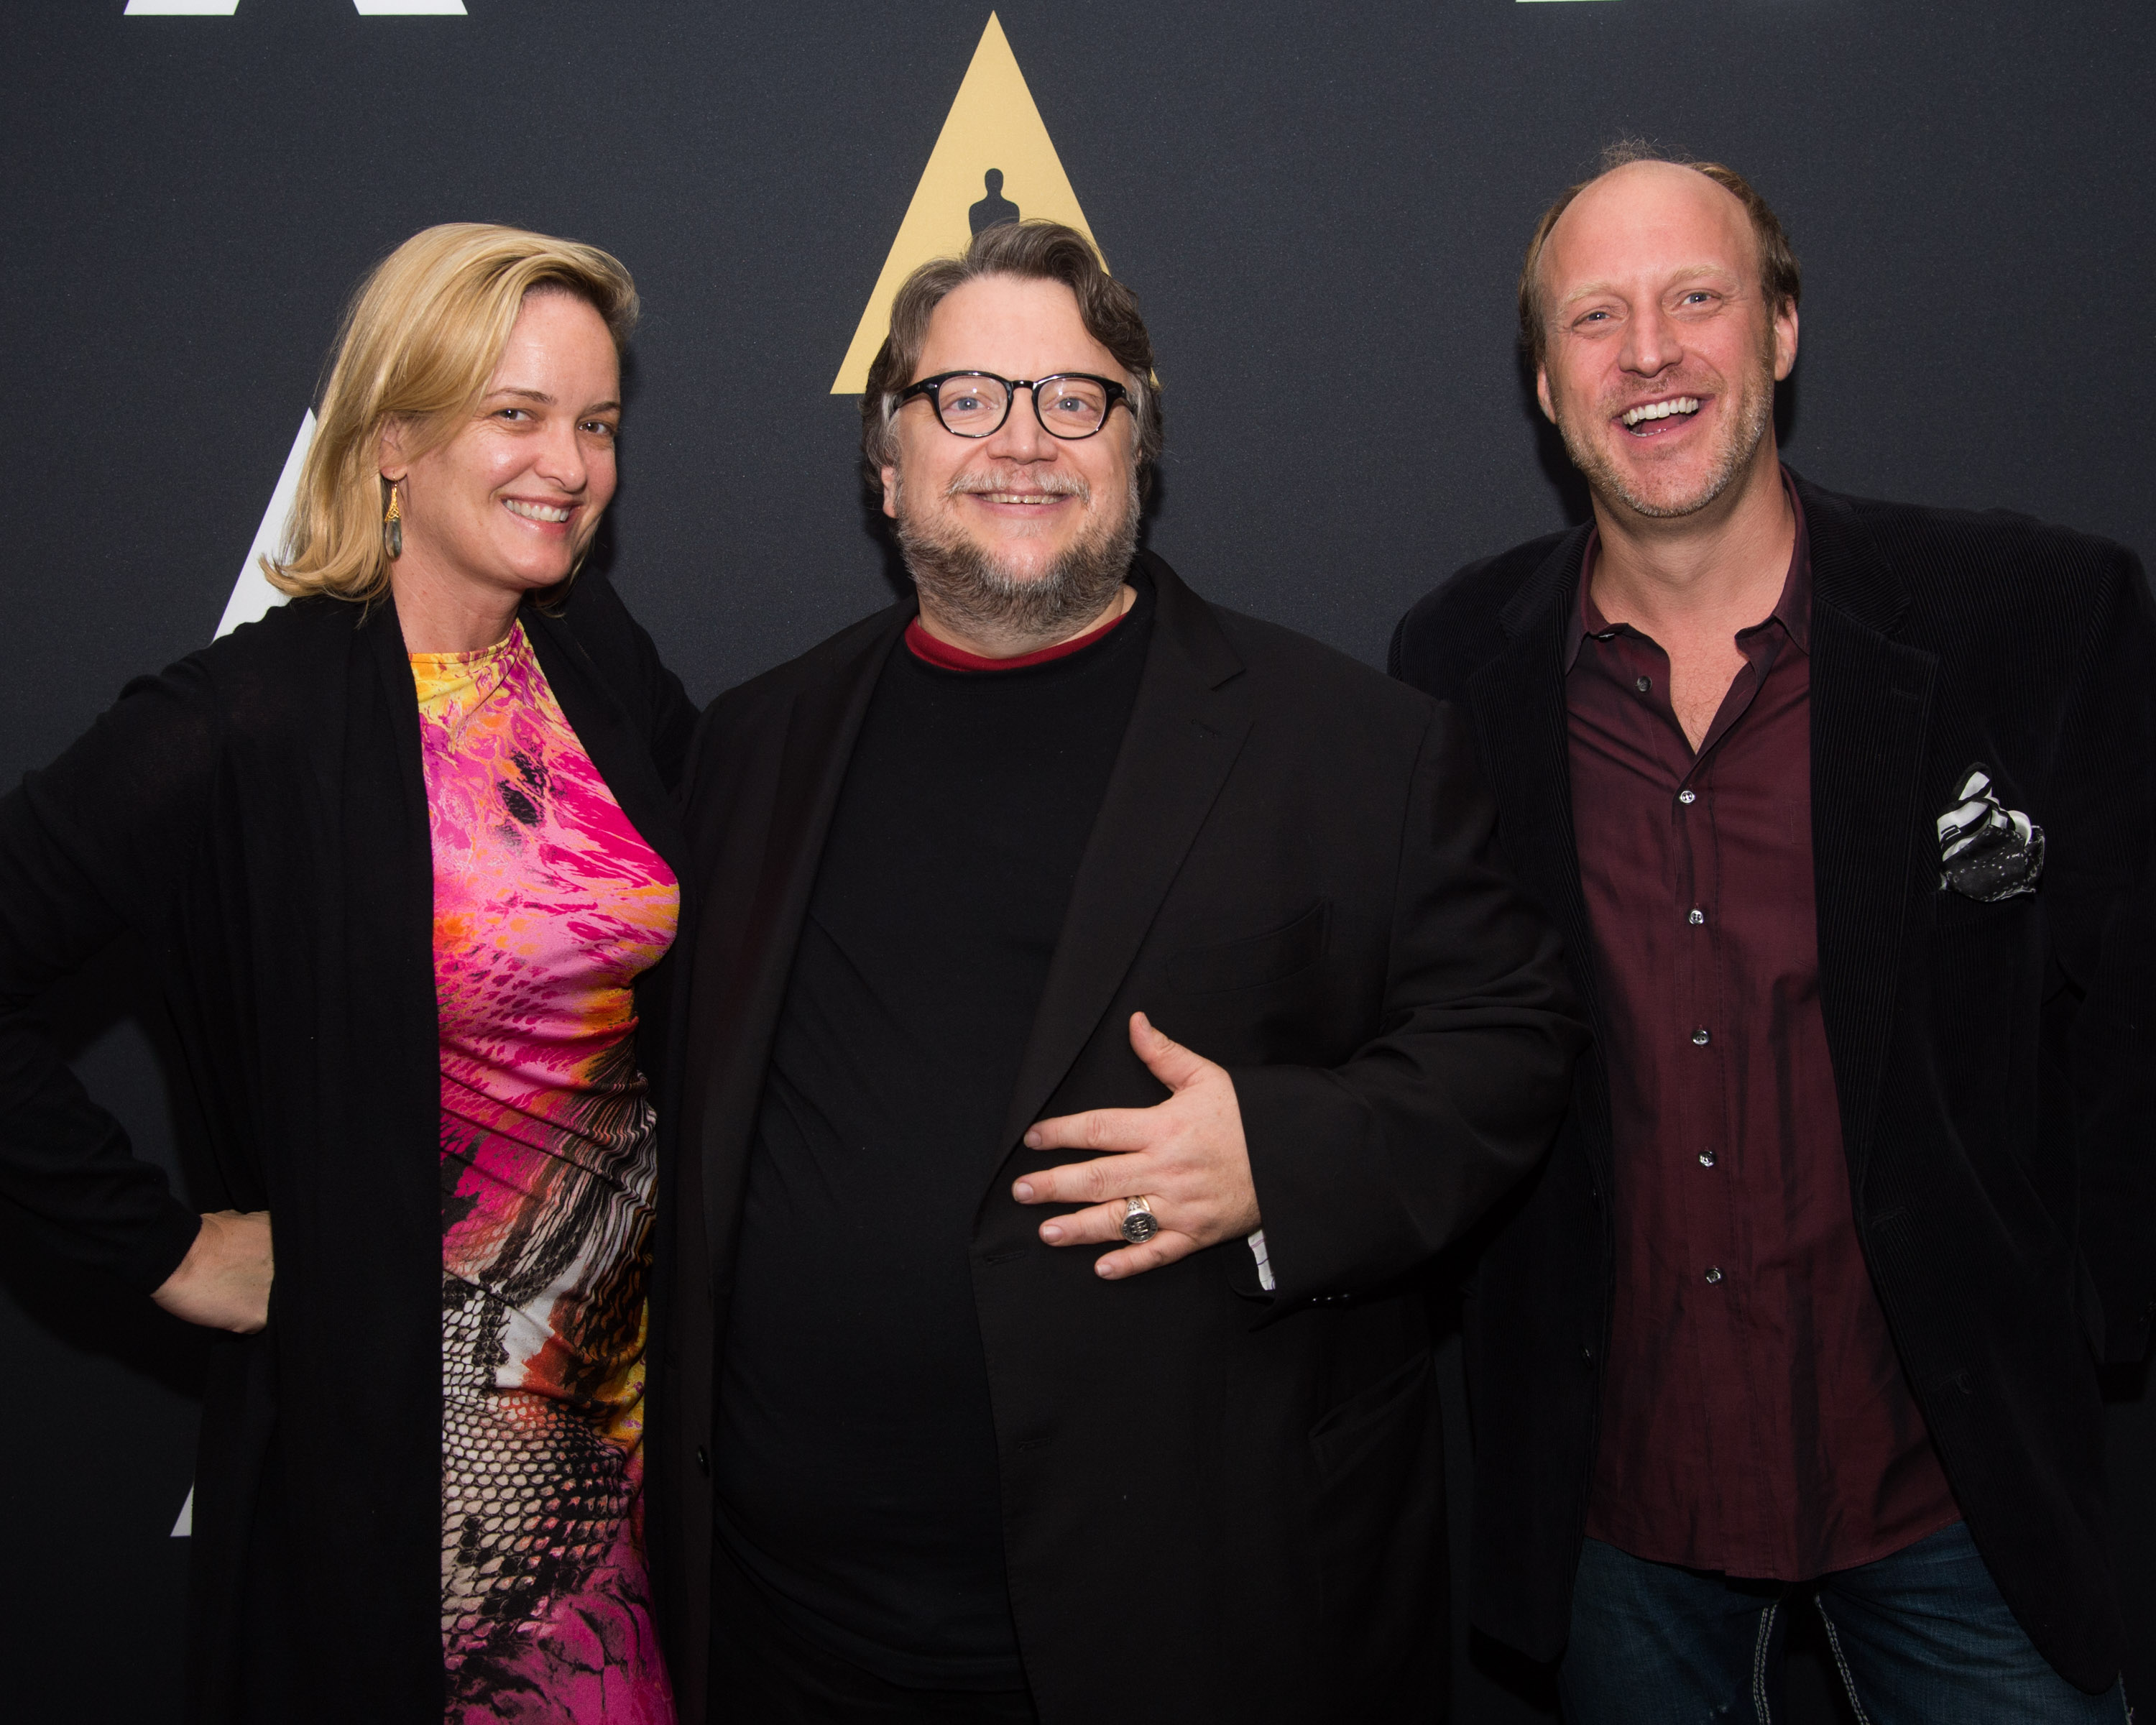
534	511
1662	409
1017	496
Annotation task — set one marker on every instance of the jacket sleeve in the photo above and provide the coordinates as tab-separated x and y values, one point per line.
2099	890
1365	1169
91	847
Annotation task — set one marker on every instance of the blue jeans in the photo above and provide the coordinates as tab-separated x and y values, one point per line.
1920	1638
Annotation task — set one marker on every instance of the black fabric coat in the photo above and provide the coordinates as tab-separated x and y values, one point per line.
1995	1062
1218	1504
257	815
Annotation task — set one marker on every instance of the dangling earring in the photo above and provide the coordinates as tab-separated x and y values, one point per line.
392	527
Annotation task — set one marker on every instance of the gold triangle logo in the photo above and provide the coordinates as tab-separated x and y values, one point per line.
993	162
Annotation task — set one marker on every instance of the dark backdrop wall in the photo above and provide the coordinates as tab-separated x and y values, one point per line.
1321	208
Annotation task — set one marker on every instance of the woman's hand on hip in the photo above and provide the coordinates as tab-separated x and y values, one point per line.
224	1281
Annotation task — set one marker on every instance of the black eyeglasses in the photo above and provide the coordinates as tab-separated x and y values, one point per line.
976	404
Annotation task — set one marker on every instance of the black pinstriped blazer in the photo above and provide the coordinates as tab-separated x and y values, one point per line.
1996	1063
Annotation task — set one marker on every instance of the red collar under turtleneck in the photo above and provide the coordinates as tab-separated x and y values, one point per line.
944	656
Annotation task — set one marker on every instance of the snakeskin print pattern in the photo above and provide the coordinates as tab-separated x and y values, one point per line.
534	1499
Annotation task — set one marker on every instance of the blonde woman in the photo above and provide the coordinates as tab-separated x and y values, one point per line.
405	852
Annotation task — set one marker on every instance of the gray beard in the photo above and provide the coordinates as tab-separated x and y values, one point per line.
959	580
1607	481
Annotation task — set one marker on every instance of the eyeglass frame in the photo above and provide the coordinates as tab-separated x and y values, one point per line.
930	387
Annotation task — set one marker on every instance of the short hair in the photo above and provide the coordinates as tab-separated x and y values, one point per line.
418	345
1781	281
1032	251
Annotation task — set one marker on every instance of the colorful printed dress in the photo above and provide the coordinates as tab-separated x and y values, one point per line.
548	905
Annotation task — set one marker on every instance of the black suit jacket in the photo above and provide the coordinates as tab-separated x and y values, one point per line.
256	816
1218	1504
1995	1062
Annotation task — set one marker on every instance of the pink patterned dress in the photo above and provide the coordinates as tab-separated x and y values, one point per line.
547	906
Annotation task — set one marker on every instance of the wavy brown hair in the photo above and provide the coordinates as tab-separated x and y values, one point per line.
418	346
1032	251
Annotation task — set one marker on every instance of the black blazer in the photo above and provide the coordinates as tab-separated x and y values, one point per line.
257	815
1219	1505
1996	1063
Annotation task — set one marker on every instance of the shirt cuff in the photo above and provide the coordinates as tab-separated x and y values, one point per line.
1257	1245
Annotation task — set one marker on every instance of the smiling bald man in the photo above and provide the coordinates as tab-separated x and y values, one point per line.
1845	809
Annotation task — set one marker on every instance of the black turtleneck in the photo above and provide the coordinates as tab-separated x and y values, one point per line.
856	1463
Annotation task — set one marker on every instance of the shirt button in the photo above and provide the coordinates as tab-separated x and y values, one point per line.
1686	795
1713	1276
1696	918
1706	1158
1699	1038
1642	684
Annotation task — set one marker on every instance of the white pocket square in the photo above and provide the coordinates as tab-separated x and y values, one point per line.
1988	852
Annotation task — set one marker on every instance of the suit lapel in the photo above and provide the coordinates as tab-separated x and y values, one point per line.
389	668
385	876
1518	704
1870	709
753	948
1186	730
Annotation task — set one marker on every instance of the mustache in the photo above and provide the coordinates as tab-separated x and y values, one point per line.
1053	483
966	581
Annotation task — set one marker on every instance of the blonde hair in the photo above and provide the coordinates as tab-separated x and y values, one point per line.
418	345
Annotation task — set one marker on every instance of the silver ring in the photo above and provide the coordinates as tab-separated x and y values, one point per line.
1140	1224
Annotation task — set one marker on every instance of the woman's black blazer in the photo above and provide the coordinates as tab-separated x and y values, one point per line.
256	815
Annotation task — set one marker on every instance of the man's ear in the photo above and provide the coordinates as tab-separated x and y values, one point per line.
1785	342
1543	393
891	489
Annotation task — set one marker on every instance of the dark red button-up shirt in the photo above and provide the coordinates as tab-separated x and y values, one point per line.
1755	1419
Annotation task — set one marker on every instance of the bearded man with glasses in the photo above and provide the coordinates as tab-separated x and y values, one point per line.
1104	1005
